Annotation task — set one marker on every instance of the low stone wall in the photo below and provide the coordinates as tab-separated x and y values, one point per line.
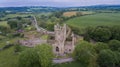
32	42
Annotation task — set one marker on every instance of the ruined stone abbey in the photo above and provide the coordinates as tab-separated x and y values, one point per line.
63	39
62	45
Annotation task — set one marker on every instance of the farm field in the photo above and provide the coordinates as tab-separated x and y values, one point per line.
106	19
14	15
74	13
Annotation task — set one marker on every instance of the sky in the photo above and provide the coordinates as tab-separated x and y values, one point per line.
56	3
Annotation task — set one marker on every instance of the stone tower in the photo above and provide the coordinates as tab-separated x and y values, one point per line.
61	34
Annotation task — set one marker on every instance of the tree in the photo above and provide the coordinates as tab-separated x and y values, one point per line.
107	58
45	54
101	34
29	58
88	33
114	45
117	59
40	56
85	54
17	47
4	30
115	32
101	46
13	24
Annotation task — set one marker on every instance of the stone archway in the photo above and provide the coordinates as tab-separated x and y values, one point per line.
57	49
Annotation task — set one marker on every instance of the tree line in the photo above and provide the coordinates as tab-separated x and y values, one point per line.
102	33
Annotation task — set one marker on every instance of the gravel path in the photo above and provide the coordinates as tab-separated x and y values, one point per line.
63	60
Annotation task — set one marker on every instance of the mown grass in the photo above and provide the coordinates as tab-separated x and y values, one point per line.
106	19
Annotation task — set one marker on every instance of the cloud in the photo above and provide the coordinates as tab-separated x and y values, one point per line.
60	3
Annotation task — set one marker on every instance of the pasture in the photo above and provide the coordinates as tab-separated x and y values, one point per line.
105	19
4	23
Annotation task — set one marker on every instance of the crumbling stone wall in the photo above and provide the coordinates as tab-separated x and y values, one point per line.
61	33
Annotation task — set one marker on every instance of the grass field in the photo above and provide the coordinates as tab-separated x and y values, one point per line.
14	15
107	19
8	58
4	23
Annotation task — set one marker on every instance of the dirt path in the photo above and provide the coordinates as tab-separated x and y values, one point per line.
63	60
40	29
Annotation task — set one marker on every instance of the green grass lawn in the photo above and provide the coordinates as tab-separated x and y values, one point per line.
107	19
4	23
8	58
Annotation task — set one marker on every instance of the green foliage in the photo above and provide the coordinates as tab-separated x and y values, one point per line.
45	55
4	23
117	59
101	34
29	58
19	23
76	30
107	58
94	20
114	45
101	46
13	24
50	26
40	56
17	48
115	32
4	30
8	58
88	33
85	54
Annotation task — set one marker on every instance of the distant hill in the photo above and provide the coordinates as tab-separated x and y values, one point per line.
53	9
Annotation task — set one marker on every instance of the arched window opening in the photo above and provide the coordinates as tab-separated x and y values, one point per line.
57	49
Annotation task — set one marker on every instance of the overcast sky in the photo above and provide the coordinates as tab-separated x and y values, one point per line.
56	3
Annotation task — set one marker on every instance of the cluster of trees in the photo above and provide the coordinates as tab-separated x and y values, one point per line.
40	56
98	55
49	21
4	30
18	23
102	33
